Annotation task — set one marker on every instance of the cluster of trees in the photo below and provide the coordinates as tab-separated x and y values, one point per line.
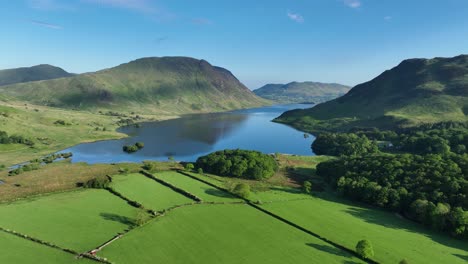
238	163
435	141
440	138
24	168
100	182
133	148
14	139
348	144
431	189
35	164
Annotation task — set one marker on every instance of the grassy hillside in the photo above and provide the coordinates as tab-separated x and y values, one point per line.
30	74
151	85
300	92
416	91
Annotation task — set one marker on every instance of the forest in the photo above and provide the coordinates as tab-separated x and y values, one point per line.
419	173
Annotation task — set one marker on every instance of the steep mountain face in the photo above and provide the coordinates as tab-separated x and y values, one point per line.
416	91
159	85
300	92
30	74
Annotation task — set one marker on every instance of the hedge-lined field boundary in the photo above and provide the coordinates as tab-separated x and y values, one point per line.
51	245
252	204
173	187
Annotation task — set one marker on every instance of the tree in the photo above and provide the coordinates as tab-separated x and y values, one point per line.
189	167
307	186
139	145
141	217
148	165
242	189
364	249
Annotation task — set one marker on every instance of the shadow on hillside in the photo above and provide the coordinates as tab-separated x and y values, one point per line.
118	218
462	257
391	220
329	249
218	193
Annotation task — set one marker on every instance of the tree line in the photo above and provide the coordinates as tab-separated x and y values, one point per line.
14	139
424	175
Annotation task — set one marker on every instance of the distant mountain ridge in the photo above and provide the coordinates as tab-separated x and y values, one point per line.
30	74
300	92
157	84
414	92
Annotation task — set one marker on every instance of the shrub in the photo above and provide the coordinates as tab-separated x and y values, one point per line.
100	182
200	171
140	145
242	189
189	167
364	249
148	165
307	187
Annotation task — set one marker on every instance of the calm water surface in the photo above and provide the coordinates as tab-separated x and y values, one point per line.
192	136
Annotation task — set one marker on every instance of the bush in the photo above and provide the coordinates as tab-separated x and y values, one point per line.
189	167
200	171
133	148
239	163
100	182
148	165
307	187
130	149
242	189
61	122
364	249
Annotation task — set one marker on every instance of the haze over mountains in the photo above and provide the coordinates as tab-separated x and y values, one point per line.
167	84
416	91
302	92
30	74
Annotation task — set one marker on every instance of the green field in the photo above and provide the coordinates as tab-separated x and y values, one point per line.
393	238
22	251
148	192
221	234
79	220
201	190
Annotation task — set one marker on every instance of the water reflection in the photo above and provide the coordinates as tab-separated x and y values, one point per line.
194	135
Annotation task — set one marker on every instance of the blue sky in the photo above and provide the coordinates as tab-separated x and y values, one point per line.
263	41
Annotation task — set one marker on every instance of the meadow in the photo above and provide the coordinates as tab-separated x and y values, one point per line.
393	237
79	220
151	194
22	251
231	231
221	234
199	189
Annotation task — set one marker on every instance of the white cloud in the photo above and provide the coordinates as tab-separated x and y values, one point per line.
45	24
295	17
353	3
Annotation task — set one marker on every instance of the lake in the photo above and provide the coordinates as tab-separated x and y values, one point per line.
192	136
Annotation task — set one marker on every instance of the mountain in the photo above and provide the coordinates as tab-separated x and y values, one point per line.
300	92
157	85
416	91
29	74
